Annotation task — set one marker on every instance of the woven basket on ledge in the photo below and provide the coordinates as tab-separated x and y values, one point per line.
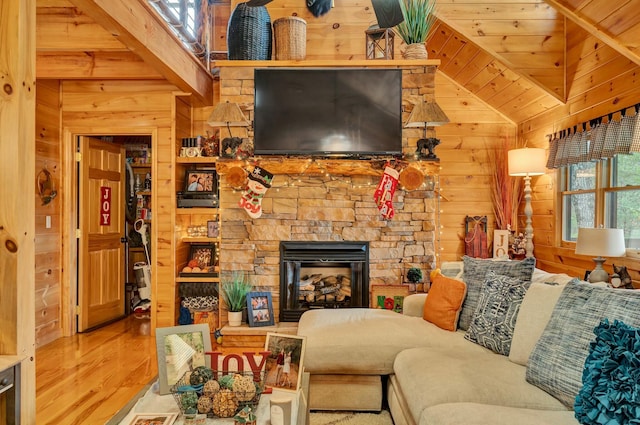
249	33
290	34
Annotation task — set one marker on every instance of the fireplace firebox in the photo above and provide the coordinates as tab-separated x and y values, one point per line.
322	275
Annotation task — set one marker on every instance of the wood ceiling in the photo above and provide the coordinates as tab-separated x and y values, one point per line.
518	56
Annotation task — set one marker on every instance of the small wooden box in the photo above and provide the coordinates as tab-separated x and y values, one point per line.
390	297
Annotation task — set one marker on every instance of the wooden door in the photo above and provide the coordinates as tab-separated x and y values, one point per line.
101	265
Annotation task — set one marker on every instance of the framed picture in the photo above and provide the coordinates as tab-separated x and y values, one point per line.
153	419
204	254
285	363
260	309
200	181
213	229
389	297
181	349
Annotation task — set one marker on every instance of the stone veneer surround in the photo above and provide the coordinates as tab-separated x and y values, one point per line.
319	207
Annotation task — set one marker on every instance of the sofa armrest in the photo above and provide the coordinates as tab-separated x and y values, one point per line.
413	305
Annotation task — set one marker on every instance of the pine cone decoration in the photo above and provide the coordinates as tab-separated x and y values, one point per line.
210	388
244	388
224	404
204	404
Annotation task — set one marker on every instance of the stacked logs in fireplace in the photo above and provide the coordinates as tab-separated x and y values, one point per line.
321	290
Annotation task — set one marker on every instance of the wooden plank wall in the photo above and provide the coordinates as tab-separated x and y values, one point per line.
48	241
600	81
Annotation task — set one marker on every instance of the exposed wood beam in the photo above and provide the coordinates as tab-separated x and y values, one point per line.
93	65
138	28
595	31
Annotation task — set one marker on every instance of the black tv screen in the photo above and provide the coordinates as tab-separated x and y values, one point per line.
332	112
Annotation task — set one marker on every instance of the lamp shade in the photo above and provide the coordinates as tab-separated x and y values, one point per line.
527	162
426	114
600	242
227	114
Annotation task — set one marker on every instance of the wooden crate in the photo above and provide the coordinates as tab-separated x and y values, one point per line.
390	297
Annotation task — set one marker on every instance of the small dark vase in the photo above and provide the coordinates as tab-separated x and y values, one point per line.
249	33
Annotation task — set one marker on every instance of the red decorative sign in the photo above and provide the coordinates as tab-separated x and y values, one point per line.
105	206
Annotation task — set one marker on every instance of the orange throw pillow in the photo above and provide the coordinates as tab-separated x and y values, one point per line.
444	302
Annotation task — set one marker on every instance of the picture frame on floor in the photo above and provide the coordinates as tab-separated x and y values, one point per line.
153	419
285	363
260	309
180	349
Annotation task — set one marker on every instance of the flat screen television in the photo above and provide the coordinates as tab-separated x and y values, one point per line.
328	112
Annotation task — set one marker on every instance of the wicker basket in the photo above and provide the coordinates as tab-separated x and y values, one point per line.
290	34
249	33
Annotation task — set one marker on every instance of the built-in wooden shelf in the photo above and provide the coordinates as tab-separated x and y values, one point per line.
331	63
199	239
201	211
210	160
138	165
198	279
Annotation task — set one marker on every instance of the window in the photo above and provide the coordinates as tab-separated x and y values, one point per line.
606	193
188	19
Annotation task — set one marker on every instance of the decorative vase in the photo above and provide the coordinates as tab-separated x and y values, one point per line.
415	51
235	318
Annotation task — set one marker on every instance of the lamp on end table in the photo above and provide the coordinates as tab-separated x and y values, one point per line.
527	162
600	242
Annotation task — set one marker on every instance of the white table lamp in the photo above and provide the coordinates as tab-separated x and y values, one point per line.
601	243
527	162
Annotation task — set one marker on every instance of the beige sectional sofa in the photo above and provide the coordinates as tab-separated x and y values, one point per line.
430	376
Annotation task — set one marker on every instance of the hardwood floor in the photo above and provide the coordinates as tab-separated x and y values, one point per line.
87	378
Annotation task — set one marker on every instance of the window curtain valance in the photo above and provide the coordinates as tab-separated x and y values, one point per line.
598	141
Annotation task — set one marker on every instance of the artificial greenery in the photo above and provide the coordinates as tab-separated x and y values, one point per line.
418	20
414	275
234	291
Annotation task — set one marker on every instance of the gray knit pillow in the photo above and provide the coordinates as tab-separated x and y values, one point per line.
557	361
475	273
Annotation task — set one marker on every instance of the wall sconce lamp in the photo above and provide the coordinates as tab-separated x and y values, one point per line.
426	114
228	114
600	242
527	162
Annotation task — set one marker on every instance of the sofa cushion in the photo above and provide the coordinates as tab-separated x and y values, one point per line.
484	414
475	273
443	304
365	341
611	379
495	317
556	363
535	311
426	377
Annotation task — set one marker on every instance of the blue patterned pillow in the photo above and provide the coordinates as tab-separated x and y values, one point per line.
495	317
557	360
475	273
610	392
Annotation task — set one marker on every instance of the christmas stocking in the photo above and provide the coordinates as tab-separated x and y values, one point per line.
384	192
258	184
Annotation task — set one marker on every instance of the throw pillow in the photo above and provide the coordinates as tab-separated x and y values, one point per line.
495	317
557	360
610	393
534	315
444	301
475	273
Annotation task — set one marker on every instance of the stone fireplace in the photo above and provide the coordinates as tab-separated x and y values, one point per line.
322	275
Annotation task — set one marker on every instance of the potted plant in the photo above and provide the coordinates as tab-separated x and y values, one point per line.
414	276
418	20
234	292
